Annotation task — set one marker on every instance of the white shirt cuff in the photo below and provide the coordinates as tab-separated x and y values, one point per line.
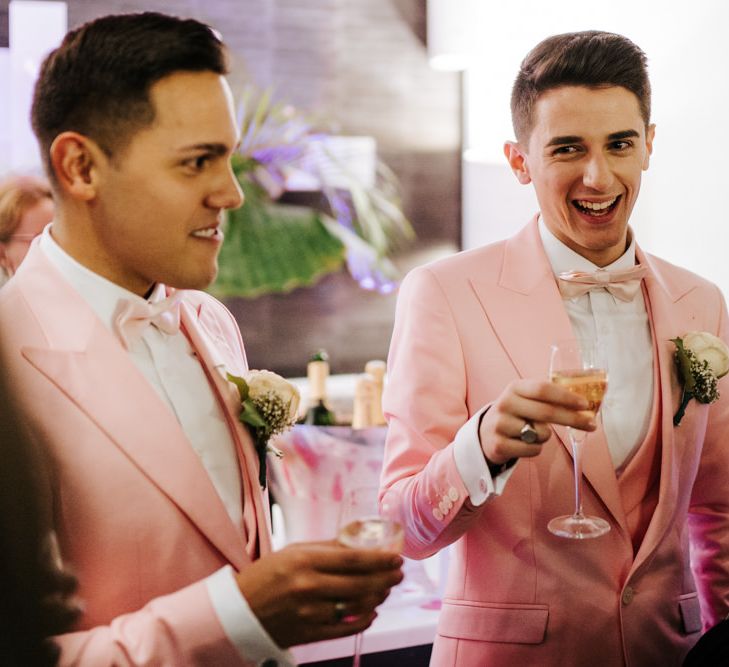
471	463
240	624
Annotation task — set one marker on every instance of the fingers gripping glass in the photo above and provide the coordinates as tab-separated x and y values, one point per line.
581	367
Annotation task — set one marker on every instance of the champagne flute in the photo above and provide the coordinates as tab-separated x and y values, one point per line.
581	367
365	524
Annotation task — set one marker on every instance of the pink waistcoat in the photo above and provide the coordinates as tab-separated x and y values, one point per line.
638	481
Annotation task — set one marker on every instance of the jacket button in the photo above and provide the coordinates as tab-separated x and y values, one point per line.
628	595
438	514
453	493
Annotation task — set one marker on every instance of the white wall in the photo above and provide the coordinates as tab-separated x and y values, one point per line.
35	29
681	213
5	109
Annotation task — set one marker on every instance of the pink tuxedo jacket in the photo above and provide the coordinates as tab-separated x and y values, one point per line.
517	595
138	519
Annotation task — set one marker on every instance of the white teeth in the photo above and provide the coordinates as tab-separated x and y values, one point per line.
596	206
205	233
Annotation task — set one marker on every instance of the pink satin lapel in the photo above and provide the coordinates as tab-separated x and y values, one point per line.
660	305
81	357
217	359
151	440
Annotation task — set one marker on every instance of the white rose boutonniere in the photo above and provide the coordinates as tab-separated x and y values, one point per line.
269	405
701	359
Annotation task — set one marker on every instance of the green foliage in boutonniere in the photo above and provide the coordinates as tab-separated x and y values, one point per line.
701	359
269	405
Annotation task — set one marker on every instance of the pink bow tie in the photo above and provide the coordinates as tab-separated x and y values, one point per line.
623	284
133	317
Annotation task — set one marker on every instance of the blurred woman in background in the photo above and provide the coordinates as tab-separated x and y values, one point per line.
26	207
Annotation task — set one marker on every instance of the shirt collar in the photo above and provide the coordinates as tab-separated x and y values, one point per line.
563	259
101	294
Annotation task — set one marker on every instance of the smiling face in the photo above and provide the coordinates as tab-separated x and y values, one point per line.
585	156
157	205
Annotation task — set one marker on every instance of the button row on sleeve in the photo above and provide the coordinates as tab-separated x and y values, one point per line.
445	504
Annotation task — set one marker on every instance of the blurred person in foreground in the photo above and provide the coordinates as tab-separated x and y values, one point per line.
712	649
26	207
35	593
477	445
119	366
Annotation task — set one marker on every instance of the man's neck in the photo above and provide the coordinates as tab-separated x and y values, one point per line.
74	233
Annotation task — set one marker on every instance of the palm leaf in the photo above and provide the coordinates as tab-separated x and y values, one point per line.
274	248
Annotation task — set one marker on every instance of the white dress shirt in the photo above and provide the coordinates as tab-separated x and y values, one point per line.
170	365
624	329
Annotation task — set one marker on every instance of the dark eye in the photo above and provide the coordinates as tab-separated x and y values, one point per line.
564	150
620	145
197	163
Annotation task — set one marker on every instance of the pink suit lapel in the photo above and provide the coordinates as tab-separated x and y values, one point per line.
525	310
85	361
663	295
216	357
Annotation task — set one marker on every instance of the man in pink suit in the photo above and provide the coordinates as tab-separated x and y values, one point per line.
119	365
477	448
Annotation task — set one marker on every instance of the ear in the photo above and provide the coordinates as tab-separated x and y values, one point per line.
517	159
76	160
650	133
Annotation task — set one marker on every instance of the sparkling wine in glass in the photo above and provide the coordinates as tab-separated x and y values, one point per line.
366	524
581	367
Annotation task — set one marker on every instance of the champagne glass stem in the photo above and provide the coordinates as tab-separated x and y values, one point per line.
357	648
577	441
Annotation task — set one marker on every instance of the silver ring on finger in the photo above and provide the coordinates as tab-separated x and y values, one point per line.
528	433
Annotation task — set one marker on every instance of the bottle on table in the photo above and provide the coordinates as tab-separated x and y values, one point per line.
365	392
377	368
317	372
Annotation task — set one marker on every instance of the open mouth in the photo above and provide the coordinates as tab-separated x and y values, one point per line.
596	209
208	233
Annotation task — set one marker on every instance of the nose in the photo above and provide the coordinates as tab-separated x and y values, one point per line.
228	193
598	175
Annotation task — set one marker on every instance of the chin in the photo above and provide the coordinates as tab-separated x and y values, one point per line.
201	282
201	277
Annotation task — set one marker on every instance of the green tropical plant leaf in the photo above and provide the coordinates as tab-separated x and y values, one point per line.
274	248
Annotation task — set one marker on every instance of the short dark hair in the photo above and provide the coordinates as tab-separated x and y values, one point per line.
97	81
591	58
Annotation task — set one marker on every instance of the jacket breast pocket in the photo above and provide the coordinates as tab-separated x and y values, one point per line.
509	623
690	609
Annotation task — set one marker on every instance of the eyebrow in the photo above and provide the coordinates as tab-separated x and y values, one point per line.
576	139
625	134
214	148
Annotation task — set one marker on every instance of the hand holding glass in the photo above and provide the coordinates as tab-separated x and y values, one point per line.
581	367
364	524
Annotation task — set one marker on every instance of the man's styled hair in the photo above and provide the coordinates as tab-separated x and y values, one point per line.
591	58
97	81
